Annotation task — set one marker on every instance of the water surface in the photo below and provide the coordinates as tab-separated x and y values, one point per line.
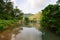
28	34
18	34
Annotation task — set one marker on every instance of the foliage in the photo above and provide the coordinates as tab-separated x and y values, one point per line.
51	18
4	23
8	14
58	2
7	11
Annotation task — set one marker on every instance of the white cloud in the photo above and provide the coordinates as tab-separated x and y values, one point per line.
36	3
39	3
32	6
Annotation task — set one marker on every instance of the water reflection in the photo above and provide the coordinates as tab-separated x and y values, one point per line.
21	33
28	34
7	34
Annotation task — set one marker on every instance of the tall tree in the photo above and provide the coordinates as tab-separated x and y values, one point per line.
17	11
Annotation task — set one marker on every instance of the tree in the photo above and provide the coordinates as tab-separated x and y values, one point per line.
8	12
58	2
18	13
1	8
2	1
50	18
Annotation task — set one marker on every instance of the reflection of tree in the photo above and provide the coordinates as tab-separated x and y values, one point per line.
6	35
16	31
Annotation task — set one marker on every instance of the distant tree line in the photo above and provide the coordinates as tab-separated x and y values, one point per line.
7	11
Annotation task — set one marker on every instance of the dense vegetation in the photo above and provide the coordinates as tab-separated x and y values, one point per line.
51	18
4	23
7	11
8	14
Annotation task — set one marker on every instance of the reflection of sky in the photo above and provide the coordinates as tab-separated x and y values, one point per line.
29	34
32	6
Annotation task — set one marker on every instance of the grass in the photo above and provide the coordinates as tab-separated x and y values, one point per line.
4	23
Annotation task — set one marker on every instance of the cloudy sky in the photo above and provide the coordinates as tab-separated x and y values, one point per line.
32	6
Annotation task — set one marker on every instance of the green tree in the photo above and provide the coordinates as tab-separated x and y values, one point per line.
58	2
18	13
8	12
2	1
1	8
50	18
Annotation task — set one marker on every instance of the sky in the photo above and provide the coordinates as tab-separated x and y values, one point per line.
32	6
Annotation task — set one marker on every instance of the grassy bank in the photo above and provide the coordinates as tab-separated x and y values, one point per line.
6	23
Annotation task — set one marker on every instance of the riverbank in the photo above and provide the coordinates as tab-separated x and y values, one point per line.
7	24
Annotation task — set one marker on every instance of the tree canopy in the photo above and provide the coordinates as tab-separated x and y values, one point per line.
58	2
51	18
7	11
